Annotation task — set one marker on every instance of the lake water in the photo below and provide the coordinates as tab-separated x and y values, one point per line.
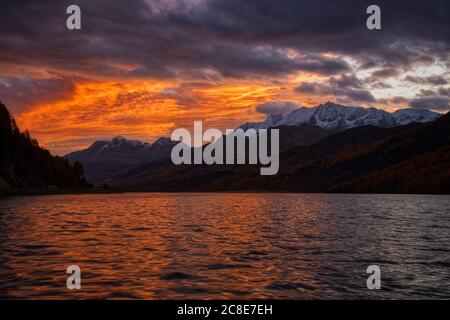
223	246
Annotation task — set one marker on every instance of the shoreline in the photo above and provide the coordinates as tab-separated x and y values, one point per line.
43	192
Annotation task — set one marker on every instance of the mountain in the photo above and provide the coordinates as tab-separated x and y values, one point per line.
412	158
26	165
106	158
413	162
119	148
246	177
271	122
302	135
334	117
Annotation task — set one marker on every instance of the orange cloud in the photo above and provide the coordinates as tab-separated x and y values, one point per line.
144	109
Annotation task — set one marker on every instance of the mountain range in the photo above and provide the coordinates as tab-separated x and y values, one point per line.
413	158
106	161
334	117
329	148
107	158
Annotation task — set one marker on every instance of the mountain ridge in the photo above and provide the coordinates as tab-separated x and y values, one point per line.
105	159
335	117
359	160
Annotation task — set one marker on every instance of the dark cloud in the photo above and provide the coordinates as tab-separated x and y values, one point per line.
438	100
346	81
309	88
232	38
438	103
444	91
347	87
357	96
137	38
215	39
432	80
18	93
396	100
277	107
386	73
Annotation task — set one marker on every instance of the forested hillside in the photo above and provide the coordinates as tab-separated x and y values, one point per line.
24	164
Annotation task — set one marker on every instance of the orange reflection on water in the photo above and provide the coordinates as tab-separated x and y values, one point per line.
152	246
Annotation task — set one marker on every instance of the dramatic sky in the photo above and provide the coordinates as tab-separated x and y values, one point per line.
142	68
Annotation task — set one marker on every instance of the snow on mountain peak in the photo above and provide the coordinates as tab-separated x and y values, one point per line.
271	121
118	142
336	117
301	115
329	116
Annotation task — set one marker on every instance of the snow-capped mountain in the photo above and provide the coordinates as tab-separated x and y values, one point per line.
117	147
270	122
405	116
335	117
301	115
107	157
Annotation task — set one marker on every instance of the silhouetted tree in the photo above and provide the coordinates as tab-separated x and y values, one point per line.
24	164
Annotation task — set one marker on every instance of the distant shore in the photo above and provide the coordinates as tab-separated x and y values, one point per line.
40	192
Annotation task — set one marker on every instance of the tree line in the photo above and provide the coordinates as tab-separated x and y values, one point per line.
25	164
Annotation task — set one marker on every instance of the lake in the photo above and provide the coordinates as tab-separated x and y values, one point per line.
225	246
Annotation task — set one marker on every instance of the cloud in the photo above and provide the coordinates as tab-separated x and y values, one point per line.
386	73
438	100
138	109
346	81
346	87
277	107
181	94
246	38
444	91
309	88
20	93
438	103
432	80
247	51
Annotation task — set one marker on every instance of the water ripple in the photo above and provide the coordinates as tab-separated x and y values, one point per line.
224	246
